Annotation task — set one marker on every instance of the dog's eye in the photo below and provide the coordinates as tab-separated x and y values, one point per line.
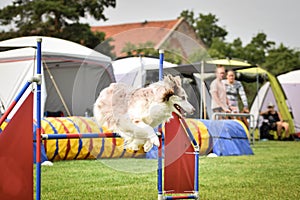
183	98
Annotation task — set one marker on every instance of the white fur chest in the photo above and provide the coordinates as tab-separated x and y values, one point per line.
158	113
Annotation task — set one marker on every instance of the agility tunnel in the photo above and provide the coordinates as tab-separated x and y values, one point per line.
82	148
222	137
229	137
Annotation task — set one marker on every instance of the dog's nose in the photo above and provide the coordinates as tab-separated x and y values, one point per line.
192	111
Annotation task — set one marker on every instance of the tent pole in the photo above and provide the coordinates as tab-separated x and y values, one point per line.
58	91
258	103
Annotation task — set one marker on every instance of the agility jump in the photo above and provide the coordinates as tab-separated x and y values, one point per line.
181	154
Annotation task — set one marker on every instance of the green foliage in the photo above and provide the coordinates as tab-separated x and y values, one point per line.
189	17
105	47
54	13
54	18
218	49
272	173
255	51
205	26
86	38
281	60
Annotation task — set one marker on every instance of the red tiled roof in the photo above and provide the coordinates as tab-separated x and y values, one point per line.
137	33
112	30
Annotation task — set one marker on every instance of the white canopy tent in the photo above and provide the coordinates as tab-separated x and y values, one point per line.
73	75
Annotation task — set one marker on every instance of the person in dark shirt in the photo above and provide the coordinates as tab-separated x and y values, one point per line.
275	120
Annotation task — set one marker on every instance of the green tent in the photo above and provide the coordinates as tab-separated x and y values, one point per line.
278	92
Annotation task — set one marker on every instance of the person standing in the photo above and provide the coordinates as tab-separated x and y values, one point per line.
218	92
234	89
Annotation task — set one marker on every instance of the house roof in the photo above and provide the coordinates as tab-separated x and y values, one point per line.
112	30
156	32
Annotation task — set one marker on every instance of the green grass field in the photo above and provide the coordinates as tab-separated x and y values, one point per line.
272	173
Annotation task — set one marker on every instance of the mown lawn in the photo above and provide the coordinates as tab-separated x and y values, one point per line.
272	173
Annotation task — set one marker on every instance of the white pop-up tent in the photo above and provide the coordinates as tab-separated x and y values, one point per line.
73	75
290	84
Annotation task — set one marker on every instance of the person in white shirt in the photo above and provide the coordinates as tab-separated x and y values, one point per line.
218	92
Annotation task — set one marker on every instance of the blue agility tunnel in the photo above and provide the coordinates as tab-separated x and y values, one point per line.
230	137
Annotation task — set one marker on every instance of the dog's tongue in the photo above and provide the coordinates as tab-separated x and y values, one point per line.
180	110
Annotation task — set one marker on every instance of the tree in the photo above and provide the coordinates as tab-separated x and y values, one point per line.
57	18
189	17
236	49
219	49
205	26
281	60
255	52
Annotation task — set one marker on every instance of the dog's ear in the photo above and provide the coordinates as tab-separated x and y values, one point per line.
163	94
168	78
171	80
177	80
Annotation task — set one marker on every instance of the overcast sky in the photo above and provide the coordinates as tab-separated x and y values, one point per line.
278	19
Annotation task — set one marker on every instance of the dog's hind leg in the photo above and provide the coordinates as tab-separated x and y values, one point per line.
100	119
98	114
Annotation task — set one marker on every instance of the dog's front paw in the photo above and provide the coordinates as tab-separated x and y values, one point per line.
150	142
148	145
